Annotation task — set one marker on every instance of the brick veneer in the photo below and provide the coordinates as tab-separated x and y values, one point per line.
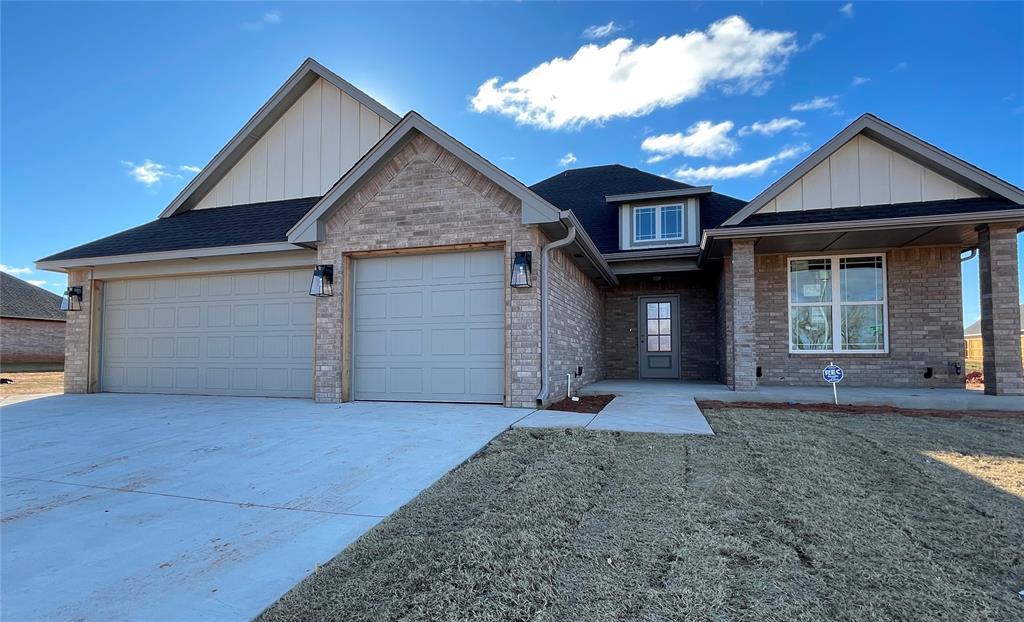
925	325
742	294
1000	309
698	326
425	196
576	326
77	342
31	341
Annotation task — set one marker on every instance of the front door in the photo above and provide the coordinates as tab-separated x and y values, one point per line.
659	337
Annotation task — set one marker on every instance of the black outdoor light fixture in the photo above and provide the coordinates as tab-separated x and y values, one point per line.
322	284
72	300
522	265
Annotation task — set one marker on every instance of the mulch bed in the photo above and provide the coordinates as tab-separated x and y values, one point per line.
591	404
864	409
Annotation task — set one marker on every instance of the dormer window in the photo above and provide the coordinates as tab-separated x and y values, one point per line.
662	222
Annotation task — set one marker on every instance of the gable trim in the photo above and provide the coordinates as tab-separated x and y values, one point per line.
261	122
535	210
899	141
658	194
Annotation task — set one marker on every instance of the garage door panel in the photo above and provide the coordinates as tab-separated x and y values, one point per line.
430	327
207	337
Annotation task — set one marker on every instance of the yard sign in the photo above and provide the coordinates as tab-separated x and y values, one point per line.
832	374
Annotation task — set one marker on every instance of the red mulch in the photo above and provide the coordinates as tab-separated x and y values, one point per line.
865	409
591	404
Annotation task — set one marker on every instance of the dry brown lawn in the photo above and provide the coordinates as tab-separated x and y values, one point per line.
27	383
783	515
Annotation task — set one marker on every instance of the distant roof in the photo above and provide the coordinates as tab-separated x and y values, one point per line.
583	190
871	212
255	223
974	330
24	300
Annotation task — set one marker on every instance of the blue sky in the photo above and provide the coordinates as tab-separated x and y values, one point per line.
98	97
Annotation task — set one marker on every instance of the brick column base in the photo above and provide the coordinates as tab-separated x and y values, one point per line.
741	286
1000	309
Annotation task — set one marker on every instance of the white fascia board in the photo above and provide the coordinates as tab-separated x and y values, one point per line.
906	144
260	123
535	209
63	265
660	194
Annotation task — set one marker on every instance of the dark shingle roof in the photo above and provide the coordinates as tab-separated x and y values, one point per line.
256	223
974	330
25	300
583	191
898	210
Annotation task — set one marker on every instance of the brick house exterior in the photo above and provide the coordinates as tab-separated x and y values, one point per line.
852	257
31	326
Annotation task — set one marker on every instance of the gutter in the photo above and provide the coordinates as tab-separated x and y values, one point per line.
569	221
544	296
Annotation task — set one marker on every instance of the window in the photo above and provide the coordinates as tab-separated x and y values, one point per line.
838	304
663	222
659	327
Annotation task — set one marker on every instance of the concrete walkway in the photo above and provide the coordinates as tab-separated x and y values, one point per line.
657	407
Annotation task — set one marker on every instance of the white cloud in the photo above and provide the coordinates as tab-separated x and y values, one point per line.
12	270
900	66
36	283
702	139
567	160
860	81
771	127
271	18
188	168
602	31
818	103
847	9
732	171
148	173
623	79
816	38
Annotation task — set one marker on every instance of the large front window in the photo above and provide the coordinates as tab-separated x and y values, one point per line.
837	304
663	222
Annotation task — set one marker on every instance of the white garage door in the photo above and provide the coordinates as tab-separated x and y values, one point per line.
430	328
224	334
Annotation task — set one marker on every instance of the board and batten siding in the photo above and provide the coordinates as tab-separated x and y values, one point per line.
304	153
864	172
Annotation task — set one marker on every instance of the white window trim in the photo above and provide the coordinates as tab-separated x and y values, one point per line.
837	305
657	223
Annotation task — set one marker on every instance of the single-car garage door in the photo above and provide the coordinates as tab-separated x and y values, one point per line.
223	334
430	327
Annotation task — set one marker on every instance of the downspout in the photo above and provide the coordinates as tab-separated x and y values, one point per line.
544	261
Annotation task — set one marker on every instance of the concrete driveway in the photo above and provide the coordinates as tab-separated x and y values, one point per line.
155	507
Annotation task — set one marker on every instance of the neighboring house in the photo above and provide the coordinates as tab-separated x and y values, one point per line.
852	257
31	327
973	342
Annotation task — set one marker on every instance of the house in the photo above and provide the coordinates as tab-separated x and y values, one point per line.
31	327
974	347
439	277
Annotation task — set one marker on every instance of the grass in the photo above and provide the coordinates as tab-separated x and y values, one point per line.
27	383
783	515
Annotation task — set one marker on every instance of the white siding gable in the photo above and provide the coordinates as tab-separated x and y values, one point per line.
304	153
864	172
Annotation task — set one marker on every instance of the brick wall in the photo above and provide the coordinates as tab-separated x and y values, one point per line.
1000	309
575	327
724	322
31	341
925	325
76	337
698	323
425	196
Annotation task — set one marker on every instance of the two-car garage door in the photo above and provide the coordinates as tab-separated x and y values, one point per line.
224	334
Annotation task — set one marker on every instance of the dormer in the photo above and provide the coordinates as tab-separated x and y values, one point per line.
660	219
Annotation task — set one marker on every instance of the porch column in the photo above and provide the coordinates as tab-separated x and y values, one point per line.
78	343
741	286
1000	309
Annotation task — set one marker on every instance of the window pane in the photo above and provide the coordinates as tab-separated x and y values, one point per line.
652	344
811	328
664	327
666	344
672	222
666	310
652	327
860	279
810	280
643	223
863	327
652	310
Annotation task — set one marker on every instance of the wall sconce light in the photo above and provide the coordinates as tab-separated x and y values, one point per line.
522	266
72	300
322	284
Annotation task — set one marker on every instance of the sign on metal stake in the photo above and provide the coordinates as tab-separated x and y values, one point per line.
832	374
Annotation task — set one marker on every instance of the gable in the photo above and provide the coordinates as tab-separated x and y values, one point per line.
304	152
864	172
